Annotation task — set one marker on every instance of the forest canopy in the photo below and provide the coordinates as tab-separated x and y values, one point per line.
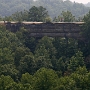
45	63
54	7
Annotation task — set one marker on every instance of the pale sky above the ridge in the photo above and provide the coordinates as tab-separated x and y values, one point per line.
81	1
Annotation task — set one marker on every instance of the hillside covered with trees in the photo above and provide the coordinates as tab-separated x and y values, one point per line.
54	7
40	14
46	63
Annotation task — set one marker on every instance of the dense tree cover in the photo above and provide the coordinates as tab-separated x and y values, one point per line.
40	14
53	64
66	16
28	63
47	79
35	14
86	32
54	7
86	25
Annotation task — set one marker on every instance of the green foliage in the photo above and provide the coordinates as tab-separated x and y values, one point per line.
8	44
5	81
65	47
27	64
47	43
19	53
81	78
27	81
76	61
45	79
44	52
86	32
20	16
81	70
53	7
17	16
61	64
9	69
86	27
6	56
24	36
42	57
66	83
10	7
48	19
30	42
46	63
67	16
37	14
26	78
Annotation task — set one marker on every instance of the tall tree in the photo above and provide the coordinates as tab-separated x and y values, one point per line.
20	16
67	16
27	64
45	79
76	61
37	14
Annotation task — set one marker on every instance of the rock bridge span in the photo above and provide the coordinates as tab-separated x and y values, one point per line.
55	29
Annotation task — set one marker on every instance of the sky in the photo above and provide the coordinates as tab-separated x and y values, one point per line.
81	1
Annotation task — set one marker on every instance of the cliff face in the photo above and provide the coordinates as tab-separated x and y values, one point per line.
40	29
